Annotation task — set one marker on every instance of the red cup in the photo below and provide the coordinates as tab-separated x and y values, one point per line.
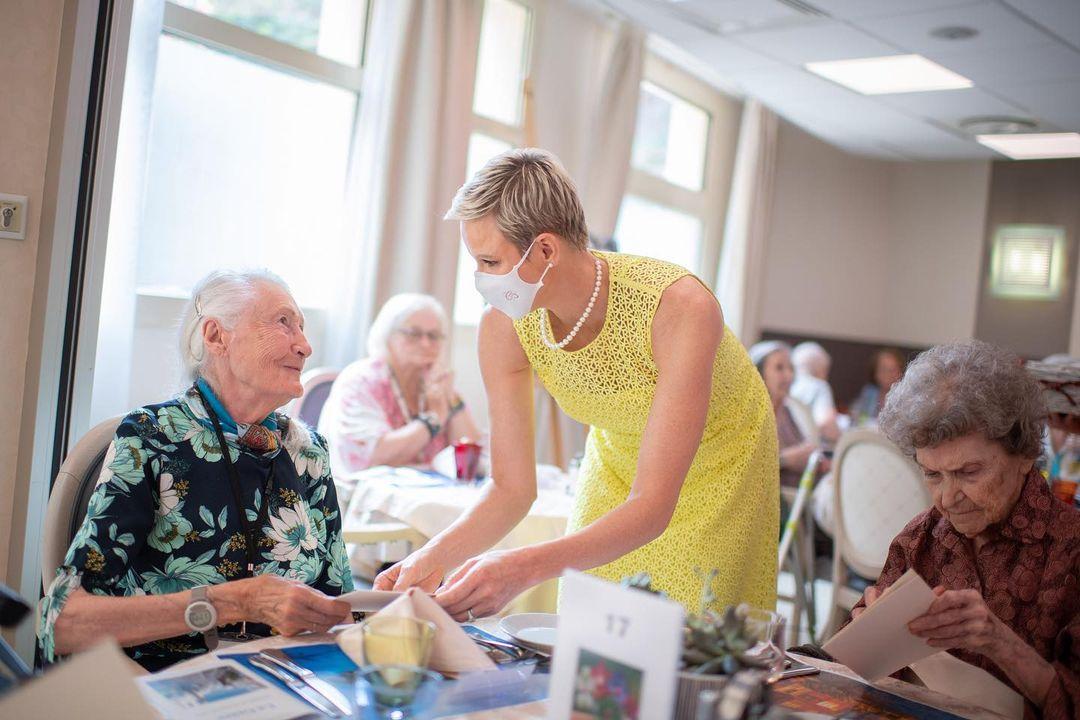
466	460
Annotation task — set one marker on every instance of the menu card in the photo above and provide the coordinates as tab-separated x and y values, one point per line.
878	642
616	652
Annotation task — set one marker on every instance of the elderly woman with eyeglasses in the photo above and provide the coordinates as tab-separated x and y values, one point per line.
398	406
1001	552
212	510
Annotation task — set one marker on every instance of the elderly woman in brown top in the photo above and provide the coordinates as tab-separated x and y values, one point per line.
1000	551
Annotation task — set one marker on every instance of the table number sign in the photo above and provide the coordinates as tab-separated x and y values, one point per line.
616	652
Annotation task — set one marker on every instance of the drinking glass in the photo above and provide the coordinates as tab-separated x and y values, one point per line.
767	628
397	641
396	692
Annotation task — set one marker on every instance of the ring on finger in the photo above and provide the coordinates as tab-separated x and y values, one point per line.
469	615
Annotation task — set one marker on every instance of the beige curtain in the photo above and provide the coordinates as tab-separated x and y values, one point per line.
586	82
742	258
408	158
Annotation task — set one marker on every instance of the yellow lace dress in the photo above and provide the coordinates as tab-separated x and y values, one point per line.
727	516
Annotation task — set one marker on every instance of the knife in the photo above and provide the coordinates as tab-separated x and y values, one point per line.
297	686
313	681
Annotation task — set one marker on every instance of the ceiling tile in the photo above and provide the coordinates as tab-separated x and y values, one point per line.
855	9
726	56
1060	17
998	27
951	106
1031	64
791	83
826	40
739	14
1058	102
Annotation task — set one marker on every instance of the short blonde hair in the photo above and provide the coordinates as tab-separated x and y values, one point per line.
528	192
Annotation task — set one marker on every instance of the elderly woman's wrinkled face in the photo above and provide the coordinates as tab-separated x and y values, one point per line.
887	372
973	481
418	342
267	348
778	373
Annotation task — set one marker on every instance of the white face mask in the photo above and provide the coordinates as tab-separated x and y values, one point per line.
509	293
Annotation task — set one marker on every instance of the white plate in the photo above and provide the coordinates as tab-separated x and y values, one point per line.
534	629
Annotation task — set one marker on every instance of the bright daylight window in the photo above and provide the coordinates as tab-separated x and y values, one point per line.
664	213
326	27
246	163
498	116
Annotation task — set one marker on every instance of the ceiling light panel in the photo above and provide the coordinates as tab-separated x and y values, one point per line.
1034	146
889	74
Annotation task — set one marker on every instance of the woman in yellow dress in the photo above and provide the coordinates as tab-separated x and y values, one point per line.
680	473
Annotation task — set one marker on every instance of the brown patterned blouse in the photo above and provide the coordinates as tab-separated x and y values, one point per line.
1028	574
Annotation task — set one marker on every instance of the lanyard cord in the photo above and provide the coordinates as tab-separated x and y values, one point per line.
250	533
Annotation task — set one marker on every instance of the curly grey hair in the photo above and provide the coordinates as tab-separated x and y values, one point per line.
957	389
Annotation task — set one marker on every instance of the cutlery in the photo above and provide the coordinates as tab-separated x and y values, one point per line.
487	639
297	686
313	681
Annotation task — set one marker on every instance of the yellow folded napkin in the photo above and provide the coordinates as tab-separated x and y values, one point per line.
452	650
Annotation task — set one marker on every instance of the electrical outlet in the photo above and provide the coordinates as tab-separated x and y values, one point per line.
12	217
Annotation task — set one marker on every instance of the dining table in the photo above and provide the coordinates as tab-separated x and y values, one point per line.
429	503
835	692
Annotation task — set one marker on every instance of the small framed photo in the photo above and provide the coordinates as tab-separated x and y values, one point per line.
616	652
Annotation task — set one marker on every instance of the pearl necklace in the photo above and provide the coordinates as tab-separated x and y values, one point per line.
550	342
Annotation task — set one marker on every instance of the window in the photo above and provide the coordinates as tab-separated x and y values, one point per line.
330	28
498	116
1028	261
228	140
673	207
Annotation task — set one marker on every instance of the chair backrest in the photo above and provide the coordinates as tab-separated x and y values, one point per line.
878	491
317	383
71	493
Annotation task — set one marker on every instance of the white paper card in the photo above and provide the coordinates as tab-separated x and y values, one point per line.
616	649
878	643
952	676
222	691
369	600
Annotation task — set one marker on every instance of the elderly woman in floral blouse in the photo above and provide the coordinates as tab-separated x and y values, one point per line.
398	406
1002	554
181	538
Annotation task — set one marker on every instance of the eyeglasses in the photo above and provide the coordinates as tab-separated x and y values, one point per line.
414	334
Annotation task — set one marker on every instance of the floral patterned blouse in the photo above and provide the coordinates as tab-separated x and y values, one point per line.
1028	574
162	518
361	408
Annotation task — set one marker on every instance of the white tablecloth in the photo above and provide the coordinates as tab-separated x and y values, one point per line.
430	509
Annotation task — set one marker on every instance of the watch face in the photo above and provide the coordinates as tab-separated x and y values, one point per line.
200	616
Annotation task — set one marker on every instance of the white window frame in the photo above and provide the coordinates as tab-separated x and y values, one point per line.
218	34
513	135
709	204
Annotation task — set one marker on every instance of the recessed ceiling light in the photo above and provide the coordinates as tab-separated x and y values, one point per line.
997	125
1034	146
954	32
889	74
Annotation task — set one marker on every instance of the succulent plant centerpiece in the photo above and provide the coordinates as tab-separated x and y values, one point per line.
714	643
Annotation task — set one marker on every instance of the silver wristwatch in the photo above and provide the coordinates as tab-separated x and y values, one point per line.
201	616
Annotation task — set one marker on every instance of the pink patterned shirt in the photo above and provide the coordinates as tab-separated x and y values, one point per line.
361	408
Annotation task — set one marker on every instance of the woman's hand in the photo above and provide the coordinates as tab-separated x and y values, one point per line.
869	597
421	569
960	619
796	456
485	584
439	392
290	606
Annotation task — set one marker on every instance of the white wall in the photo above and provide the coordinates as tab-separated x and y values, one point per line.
872	250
